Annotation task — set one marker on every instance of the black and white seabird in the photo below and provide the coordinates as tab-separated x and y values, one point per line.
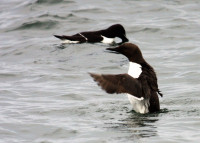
140	83
104	36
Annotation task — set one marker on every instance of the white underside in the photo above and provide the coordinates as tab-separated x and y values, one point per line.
140	105
69	42
107	40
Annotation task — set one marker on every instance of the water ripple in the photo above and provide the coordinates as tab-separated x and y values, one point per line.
47	95
51	2
39	25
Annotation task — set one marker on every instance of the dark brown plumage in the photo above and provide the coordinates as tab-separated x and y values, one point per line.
113	31
144	87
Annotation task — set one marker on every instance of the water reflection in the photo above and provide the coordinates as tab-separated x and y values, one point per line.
137	125
60	46
65	45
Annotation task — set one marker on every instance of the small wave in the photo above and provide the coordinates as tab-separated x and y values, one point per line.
2	75
42	25
60	132
57	16
92	10
71	17
74	19
164	110
147	29
151	29
52	1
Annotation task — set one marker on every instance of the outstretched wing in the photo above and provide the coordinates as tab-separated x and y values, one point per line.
121	83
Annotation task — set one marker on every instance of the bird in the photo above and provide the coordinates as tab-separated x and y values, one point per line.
104	36
140	83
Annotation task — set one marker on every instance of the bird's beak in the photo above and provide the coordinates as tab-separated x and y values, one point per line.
113	50
124	39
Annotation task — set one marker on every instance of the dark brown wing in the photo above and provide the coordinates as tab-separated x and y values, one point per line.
149	75
93	36
121	83
76	37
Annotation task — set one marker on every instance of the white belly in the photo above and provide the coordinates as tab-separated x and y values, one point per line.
107	40
140	105
69	42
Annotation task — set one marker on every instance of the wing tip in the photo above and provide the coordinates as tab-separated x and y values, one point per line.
91	74
94	76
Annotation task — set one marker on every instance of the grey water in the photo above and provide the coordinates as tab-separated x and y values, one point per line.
47	96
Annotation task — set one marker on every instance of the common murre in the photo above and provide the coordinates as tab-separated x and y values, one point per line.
140	84
104	36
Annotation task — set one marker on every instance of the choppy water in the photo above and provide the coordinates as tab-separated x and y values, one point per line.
47	96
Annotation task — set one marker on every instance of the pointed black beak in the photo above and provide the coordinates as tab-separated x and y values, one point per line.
113	50
124	39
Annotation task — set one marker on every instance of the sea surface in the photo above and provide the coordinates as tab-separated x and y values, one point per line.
47	95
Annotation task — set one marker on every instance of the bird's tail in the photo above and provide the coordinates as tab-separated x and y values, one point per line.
159	92
60	37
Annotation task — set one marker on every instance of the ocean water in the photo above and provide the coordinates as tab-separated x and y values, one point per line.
47	96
